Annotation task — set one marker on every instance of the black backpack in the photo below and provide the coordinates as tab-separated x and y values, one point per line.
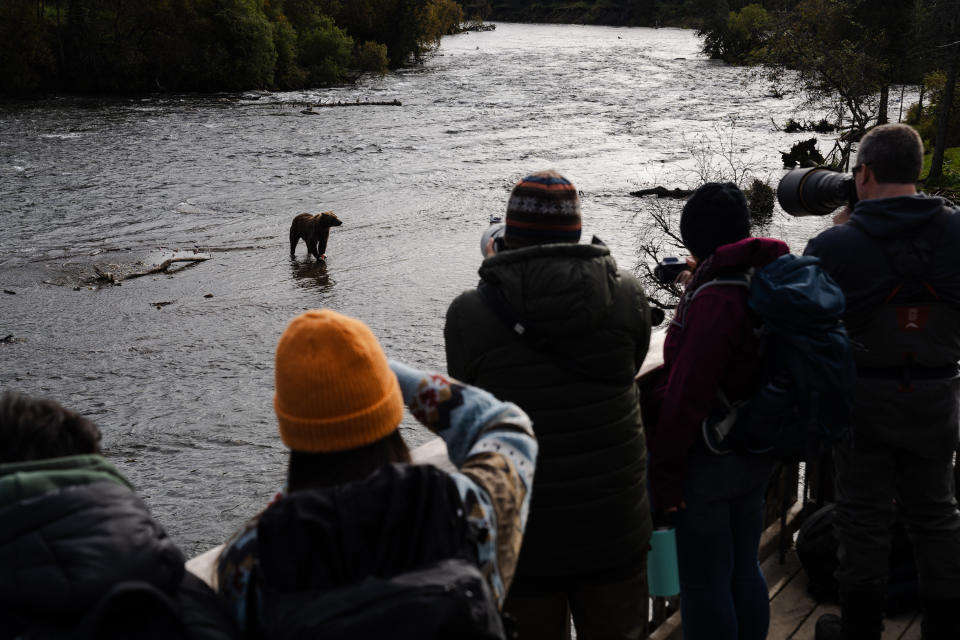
445	599
817	550
391	555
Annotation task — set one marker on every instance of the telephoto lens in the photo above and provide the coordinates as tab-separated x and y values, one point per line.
816	191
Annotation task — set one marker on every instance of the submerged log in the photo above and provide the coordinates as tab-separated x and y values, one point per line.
225	249
163	267
389	103
662	192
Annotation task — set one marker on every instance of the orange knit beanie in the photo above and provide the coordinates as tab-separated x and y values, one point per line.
334	388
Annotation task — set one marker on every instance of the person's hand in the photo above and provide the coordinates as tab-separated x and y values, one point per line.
488	249
684	277
843	216
667	518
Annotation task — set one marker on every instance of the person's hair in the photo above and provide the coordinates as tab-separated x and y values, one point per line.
36	429
715	215
319	470
894	153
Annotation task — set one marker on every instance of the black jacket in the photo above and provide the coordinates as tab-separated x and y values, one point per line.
588	328
80	557
905	328
855	257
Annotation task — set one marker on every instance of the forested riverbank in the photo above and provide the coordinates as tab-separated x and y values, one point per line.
110	46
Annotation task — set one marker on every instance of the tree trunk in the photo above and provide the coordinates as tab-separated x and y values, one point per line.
884	100
943	117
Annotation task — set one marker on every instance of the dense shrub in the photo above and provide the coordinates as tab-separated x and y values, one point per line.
372	57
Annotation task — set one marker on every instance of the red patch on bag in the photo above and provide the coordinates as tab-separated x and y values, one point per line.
912	318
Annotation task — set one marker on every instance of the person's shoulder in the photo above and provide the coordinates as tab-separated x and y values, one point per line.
468	307
628	282
464	297
834	239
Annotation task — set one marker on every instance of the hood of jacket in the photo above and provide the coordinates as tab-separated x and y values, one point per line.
72	530
888	217
558	289
743	254
22	480
737	257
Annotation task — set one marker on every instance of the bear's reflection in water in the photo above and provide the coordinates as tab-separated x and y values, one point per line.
310	274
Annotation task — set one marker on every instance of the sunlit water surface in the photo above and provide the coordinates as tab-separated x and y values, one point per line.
183	391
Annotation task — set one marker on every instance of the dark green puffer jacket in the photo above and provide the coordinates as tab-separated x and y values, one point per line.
72	534
589	519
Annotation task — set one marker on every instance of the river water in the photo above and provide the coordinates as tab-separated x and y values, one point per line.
177	369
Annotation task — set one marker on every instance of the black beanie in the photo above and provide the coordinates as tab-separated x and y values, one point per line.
716	214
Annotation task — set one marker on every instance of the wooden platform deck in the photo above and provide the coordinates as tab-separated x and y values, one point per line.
793	613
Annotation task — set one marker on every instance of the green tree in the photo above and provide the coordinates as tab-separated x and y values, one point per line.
27	59
942	33
736	36
372	57
246	37
834	59
325	51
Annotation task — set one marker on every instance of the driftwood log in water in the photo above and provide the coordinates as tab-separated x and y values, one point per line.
161	268
390	103
662	192
224	249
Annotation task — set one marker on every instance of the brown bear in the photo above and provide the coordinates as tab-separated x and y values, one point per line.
315	230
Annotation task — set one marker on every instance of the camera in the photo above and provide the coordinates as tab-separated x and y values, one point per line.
669	268
495	231
816	191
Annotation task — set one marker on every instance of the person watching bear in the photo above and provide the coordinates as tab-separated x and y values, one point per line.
81	555
357	522
555	327
895	259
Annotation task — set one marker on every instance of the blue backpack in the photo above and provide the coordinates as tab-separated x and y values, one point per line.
808	373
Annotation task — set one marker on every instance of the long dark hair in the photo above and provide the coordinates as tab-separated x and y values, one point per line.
318	470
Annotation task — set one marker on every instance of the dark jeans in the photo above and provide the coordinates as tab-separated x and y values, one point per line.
900	453
723	595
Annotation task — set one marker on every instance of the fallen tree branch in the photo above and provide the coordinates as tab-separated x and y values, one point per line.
223	249
161	268
389	103
105	275
662	192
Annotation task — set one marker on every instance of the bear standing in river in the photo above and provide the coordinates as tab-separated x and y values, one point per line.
315	230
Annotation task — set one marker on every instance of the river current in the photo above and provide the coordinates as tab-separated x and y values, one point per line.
177	370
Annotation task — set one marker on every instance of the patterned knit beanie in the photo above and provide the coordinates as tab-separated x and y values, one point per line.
544	208
334	388
716	214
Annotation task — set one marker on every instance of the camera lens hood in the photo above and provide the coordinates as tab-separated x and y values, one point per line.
815	191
